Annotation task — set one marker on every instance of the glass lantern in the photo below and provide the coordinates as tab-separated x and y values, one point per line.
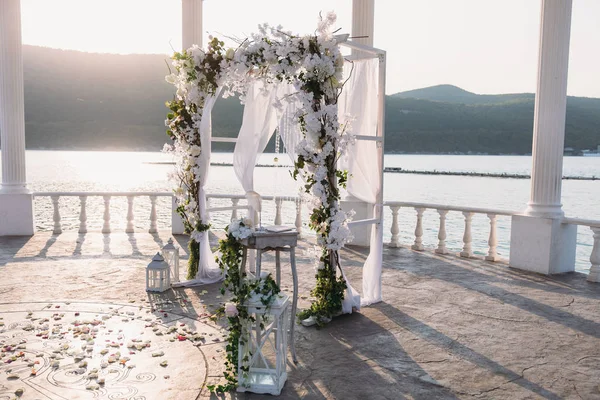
263	350
171	254
157	275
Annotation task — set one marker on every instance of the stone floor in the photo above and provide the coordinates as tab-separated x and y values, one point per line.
74	309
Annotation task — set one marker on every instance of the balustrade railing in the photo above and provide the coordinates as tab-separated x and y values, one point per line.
237	202
467	251
442	212
106	197
55	197
594	274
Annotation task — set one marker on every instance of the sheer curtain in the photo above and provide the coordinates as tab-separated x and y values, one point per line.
258	124
208	269
359	101
289	130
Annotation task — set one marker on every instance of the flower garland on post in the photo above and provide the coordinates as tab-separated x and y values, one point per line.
314	65
198	75
325	140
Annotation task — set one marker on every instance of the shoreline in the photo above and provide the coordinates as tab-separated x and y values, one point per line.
398	170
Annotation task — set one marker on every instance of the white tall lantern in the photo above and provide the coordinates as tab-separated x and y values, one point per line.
264	348
157	275
171	255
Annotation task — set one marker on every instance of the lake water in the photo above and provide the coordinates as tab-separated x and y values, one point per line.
146	171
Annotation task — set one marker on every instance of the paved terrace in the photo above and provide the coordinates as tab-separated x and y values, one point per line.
449	328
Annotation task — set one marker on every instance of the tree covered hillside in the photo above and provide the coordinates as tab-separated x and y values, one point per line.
77	100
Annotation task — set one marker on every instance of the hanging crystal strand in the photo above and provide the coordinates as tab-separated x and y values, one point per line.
276	181
277	143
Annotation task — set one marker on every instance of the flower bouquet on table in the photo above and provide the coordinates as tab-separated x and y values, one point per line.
240	229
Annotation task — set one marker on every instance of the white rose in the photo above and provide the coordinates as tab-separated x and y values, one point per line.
171	78
196	236
231	310
230	54
244	233
195	151
234	226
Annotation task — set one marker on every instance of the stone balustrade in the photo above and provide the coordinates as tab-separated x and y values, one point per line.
442	211
282	214
467	238
55	197
594	275
106	197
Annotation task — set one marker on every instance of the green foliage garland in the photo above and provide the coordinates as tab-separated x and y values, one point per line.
241	290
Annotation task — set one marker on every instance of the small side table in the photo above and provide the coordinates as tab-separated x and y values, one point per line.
263	241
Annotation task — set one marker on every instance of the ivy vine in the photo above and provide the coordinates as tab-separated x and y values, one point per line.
241	289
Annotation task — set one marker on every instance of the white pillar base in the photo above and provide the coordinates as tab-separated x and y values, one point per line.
594	275
361	233
177	227
544	210
542	245
16	214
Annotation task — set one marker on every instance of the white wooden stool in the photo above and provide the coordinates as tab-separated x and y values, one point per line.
263	241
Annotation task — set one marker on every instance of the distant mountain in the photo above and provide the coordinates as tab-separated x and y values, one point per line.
448	119
77	100
454	94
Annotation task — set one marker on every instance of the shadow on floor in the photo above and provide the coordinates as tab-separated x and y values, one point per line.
499	282
356	358
11	245
449	345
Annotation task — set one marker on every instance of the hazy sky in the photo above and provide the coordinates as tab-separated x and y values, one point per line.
484	46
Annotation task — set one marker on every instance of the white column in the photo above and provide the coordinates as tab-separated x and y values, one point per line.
363	21
12	114
539	242
16	201
191	13
550	109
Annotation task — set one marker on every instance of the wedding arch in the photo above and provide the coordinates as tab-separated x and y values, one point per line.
329	110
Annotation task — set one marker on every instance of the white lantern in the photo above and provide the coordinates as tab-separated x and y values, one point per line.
263	350
171	255
157	275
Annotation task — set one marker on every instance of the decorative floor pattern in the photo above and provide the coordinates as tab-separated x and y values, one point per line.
101	351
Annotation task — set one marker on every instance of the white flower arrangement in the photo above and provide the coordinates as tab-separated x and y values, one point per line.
241	229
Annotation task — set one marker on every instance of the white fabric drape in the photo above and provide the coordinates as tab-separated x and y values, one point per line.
289	130
208	270
359	101
258	124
